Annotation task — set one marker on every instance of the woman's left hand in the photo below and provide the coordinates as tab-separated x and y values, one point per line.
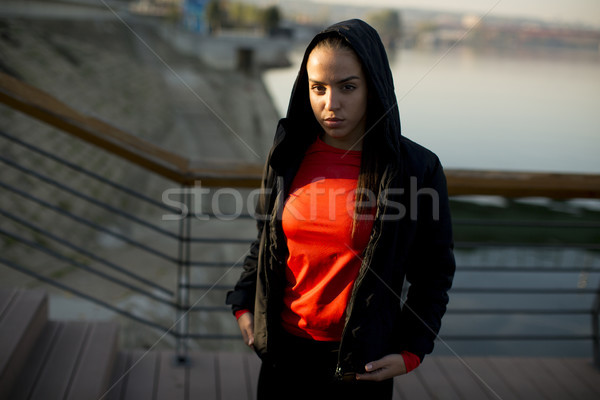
385	368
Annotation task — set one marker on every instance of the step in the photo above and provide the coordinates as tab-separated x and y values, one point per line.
142	374
23	315
72	360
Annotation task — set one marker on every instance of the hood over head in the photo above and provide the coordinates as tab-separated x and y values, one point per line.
383	117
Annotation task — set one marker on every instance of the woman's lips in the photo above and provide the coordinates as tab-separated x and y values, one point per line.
333	122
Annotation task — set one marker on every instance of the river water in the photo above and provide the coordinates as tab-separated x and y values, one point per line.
518	111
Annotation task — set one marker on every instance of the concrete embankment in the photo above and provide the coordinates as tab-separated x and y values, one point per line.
174	89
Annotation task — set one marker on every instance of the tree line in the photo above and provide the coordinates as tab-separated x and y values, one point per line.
221	15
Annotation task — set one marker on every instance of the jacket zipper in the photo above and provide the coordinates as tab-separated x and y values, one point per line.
339	374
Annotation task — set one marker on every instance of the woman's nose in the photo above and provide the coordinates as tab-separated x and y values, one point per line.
332	101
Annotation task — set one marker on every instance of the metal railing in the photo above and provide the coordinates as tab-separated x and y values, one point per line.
540	283
179	235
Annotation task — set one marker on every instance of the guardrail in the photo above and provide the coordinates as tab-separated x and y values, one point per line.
178	242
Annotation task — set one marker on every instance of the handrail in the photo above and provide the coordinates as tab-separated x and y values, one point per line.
44	107
523	184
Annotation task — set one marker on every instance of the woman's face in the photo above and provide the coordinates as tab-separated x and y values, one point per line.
338	96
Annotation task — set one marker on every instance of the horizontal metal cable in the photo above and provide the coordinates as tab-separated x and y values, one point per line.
89	173
89	199
516	337
483	311
215	264
562	245
199	286
536	269
85	296
443	337
212	336
505	290
225	217
516	311
208	309
220	240
455	222
86	253
89	223
84	267
526	224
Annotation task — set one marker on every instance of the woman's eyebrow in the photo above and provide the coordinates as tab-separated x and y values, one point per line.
350	78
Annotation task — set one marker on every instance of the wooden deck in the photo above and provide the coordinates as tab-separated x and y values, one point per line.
234	375
79	360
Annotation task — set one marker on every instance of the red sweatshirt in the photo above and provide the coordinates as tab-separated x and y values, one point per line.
324	258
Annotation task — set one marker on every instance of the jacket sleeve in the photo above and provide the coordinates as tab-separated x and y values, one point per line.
431	264
243	295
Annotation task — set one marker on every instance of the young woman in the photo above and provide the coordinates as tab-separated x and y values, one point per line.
350	209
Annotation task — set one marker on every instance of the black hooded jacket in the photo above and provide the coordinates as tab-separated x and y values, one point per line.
411	237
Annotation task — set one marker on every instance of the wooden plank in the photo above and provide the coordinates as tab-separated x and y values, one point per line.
523	184
515	378
586	372
96	361
547	387
571	382
203	376
253	364
56	376
232	379
490	379
118	380
34	365
7	296
172	378
435	381
409	386
141	375
22	323
8	336
464	379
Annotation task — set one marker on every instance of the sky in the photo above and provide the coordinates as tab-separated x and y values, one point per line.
570	11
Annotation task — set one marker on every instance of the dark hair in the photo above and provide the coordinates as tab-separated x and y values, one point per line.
370	166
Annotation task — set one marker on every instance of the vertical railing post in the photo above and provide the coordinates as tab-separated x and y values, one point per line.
596	329
183	278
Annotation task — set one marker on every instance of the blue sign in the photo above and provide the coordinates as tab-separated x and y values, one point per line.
194	15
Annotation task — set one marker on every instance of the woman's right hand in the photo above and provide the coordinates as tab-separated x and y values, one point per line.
246	324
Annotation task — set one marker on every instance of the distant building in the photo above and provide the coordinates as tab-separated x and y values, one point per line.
194	15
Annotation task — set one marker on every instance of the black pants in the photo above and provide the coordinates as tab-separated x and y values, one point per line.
305	370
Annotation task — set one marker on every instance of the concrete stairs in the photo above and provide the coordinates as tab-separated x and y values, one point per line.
44	359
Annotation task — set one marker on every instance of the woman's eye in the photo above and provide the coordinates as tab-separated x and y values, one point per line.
318	88
349	87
